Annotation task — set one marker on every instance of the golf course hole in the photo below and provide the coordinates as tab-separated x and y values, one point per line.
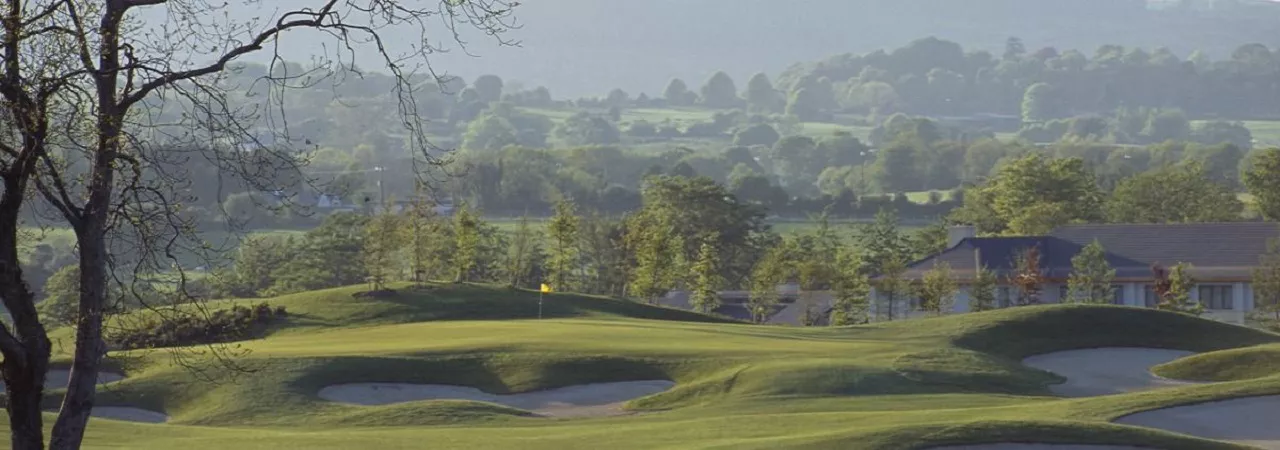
587	400
1017	446
59	378
1106	371
128	414
1249	420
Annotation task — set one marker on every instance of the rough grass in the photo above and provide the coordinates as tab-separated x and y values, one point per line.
902	385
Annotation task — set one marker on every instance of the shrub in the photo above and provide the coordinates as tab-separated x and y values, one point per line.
226	325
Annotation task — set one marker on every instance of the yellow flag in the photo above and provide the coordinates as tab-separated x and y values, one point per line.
546	289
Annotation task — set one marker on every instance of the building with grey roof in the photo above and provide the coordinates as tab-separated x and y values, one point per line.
1222	258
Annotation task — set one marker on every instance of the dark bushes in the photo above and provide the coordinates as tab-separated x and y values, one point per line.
227	325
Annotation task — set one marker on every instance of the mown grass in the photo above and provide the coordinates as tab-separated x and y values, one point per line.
906	385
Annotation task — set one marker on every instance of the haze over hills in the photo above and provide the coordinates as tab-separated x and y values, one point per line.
587	47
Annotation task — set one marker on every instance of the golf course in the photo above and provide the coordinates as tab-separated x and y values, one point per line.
471	366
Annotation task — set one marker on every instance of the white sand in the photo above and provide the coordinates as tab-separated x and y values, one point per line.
1105	371
1038	447
588	400
128	414
59	378
1250	421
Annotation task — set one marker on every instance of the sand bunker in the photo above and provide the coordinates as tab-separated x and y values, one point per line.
59	378
1105	371
588	400
1249	421
1038	447
128	414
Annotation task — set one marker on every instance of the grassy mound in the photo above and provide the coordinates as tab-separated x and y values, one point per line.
1023	332
1226	365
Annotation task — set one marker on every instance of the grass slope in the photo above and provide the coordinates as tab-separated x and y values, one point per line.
939	381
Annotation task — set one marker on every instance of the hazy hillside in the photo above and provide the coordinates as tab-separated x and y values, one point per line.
586	47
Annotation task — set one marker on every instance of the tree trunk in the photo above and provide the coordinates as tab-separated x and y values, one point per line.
68	430
26	347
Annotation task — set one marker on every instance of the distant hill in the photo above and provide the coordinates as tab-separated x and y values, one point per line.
587	47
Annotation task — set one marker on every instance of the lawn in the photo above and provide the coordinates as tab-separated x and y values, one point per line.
902	385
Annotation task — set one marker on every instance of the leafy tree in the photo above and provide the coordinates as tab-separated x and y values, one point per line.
658	251
1091	276
929	240
1041	103
1173	288
1032	195
563	229
1266	281
1168	125
1173	194
982	293
605	255
761	96
488	87
523	252
761	134
382	245
895	168
1218	132
61	296
700	207
489	132
937	291
677	93
466	231
1263	182
705	295
806	105
586	129
617	98
720	92
326	257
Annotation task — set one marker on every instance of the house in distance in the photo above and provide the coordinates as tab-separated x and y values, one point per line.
1222	258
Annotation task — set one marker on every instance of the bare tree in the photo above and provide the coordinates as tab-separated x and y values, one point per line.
106	101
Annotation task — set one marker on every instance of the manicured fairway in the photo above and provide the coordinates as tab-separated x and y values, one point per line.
915	384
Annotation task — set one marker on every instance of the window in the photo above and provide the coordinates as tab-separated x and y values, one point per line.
1149	296
1217	297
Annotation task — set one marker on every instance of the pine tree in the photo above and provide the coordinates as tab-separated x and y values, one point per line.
852	289
1091	276
938	289
982	294
767	274
382	243
1027	276
705	296
891	287
1174	290
563	231
1266	281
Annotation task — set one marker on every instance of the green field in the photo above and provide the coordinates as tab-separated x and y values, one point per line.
905	385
